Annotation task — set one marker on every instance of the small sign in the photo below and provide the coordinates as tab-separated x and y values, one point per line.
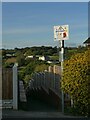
61	32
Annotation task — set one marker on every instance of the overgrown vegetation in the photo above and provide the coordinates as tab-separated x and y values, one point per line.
76	81
27	66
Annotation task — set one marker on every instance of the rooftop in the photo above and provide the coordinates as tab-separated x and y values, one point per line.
87	41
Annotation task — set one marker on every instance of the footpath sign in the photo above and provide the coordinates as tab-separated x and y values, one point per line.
61	32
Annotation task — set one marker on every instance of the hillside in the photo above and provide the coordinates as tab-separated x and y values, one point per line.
35	59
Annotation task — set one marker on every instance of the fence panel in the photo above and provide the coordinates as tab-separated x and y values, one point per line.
7	83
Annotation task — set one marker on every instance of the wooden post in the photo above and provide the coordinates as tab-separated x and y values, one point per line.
15	87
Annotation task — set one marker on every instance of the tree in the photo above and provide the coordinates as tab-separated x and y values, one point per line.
41	68
3	52
20	59
76	80
29	69
27	78
28	53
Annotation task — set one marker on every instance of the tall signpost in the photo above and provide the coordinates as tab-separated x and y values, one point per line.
61	33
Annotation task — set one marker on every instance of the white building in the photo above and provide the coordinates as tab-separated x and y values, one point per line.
42	58
49	62
31	56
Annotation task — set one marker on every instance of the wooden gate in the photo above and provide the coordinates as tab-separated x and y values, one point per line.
7	87
7	83
10	87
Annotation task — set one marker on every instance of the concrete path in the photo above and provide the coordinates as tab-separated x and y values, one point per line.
29	114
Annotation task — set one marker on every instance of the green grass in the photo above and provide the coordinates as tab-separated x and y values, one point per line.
54	57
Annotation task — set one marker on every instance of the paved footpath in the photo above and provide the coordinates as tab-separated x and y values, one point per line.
29	114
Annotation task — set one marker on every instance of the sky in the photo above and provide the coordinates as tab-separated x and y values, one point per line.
27	24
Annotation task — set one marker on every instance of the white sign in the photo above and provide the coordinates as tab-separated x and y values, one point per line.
61	32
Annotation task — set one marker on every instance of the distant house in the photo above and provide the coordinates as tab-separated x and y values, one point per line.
49	62
12	54
30	57
9	55
44	58
87	42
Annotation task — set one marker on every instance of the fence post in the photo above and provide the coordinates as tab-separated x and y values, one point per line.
15	87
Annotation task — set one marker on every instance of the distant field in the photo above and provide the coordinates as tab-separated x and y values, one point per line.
54	57
72	51
11	60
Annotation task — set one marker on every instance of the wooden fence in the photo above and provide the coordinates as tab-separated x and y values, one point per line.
7	83
10	87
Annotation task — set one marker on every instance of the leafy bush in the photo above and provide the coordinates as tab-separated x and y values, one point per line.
76	81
